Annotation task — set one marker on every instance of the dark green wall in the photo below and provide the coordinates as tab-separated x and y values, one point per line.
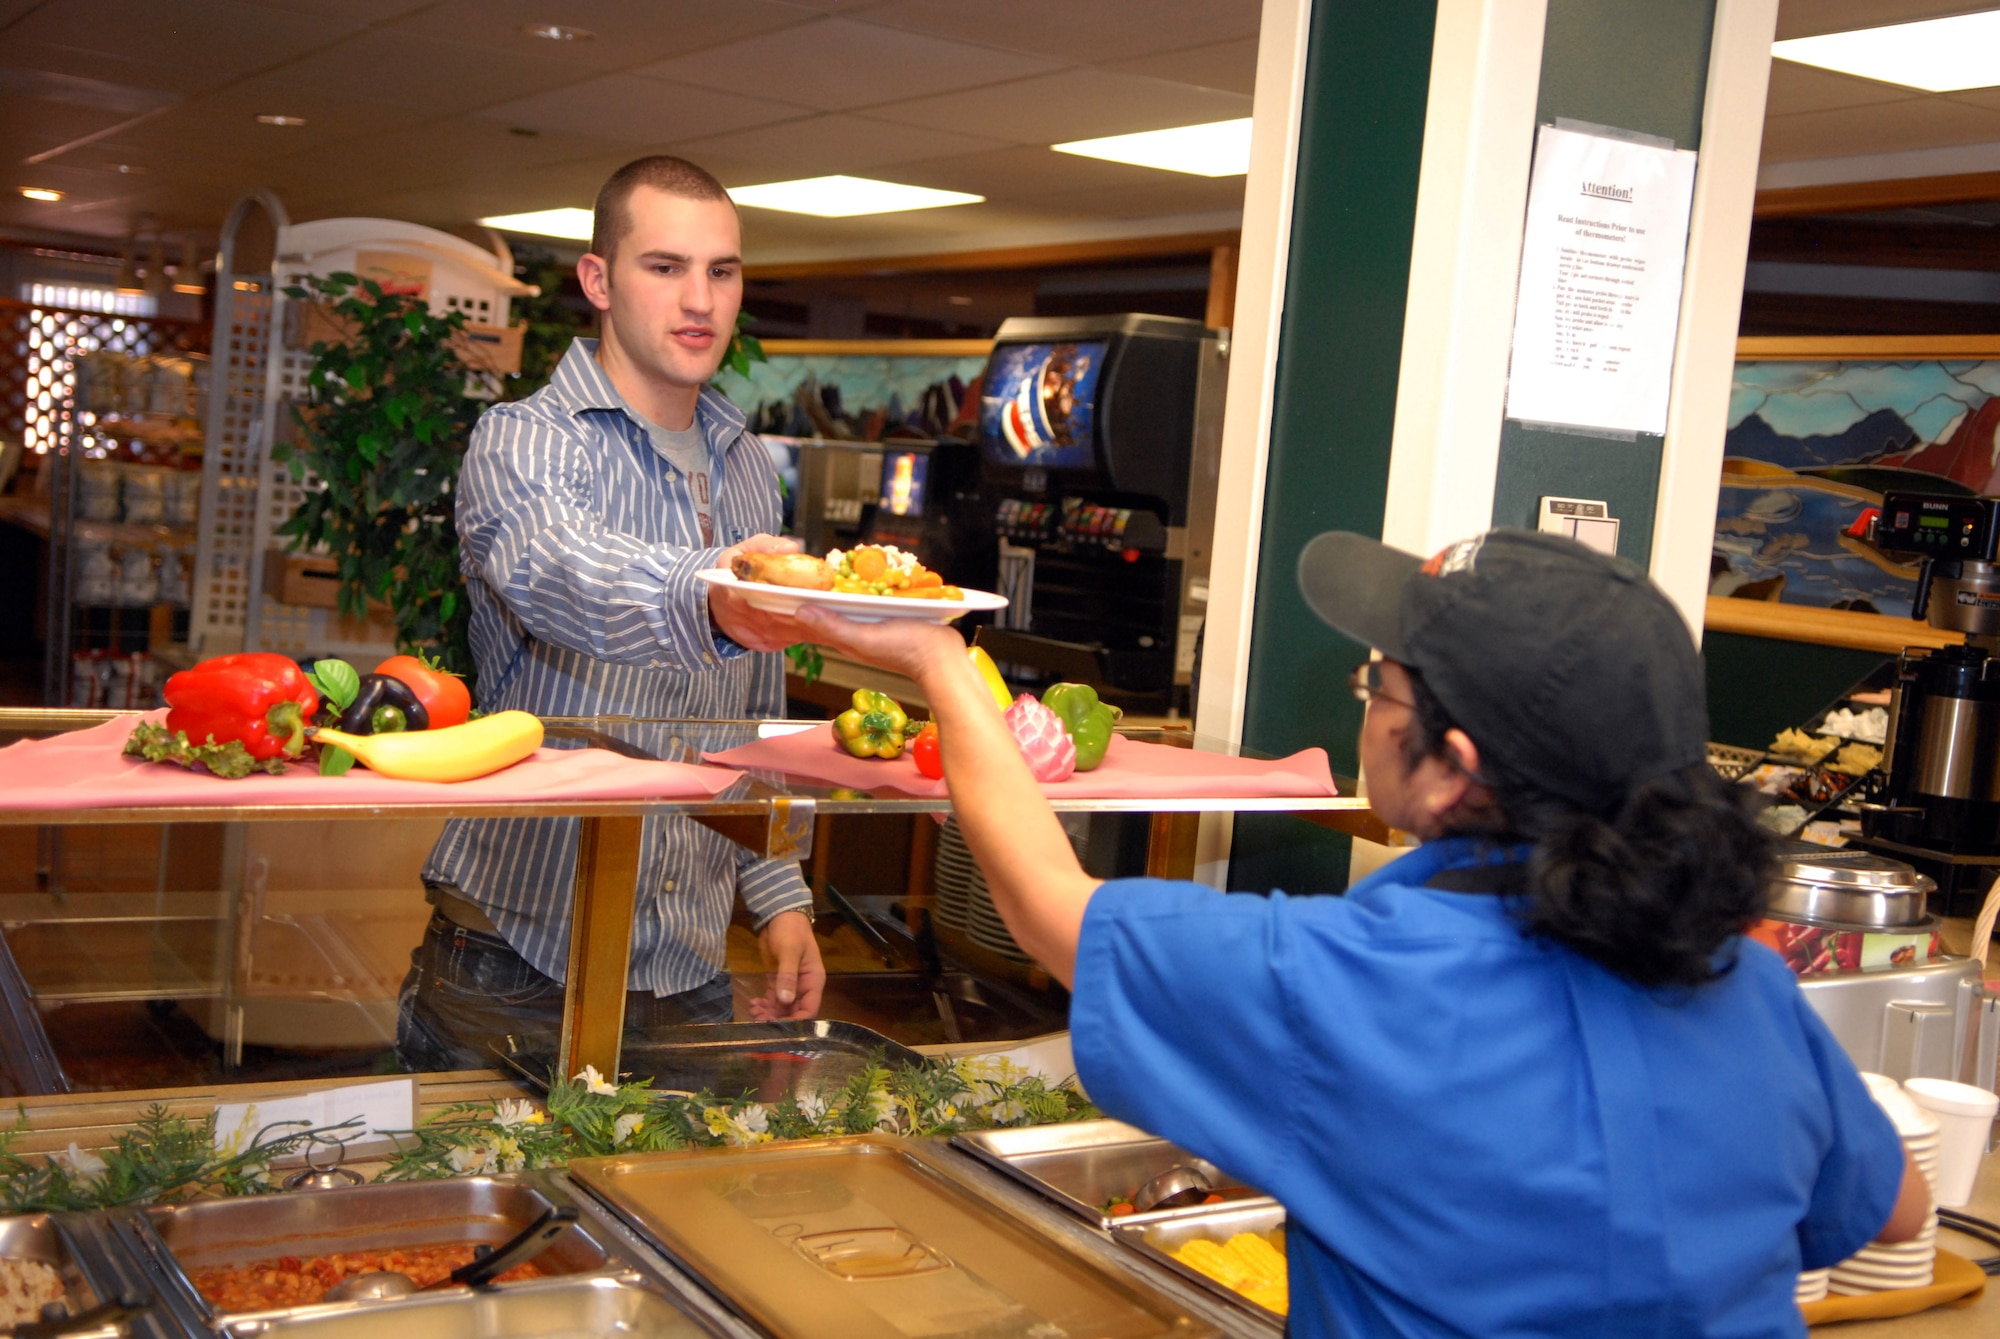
1367	79
1639	65
1758	686
1636	64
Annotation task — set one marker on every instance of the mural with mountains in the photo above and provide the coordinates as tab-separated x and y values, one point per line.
1810	445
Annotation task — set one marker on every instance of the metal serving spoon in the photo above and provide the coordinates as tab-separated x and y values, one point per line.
1175	1188
524	1246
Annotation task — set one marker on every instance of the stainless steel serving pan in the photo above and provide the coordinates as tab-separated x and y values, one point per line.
1157	1241
1083	1164
871	1237
539	1309
486	1209
35	1237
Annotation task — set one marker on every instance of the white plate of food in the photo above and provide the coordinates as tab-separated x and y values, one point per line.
782	583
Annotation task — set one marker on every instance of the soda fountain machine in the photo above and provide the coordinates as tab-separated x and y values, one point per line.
1099	442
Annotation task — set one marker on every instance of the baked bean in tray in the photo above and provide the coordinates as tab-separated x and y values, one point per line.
292	1280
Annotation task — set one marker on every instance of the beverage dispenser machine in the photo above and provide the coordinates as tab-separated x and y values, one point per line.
1099	441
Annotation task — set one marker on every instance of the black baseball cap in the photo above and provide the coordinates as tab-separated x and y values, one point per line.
1568	668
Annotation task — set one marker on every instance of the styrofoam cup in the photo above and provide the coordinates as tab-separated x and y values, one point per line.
1966	1113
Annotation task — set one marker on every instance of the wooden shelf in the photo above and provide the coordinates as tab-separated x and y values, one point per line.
1864	348
1823	627
32	514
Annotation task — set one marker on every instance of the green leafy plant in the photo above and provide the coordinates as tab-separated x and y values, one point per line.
164	1157
380	442
744	347
589	1116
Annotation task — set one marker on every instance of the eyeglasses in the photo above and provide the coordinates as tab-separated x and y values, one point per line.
1366	684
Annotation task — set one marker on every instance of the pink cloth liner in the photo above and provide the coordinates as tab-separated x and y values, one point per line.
85	769
1132	770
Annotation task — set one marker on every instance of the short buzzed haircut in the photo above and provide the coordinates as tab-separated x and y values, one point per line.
611	219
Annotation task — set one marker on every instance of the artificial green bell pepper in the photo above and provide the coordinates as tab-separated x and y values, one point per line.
873	727
1088	720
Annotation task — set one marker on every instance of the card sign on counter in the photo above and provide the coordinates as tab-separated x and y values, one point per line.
1602	258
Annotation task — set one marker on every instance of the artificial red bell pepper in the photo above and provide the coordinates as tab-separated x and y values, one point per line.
258	699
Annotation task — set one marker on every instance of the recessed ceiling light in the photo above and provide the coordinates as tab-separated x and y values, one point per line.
557	32
570	223
42	193
1217	149
840	197
126	169
279	119
1936	55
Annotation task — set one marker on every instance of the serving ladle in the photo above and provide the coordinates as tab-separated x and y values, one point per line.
1175	1188
516	1251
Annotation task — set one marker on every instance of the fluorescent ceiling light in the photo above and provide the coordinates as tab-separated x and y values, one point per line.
47	195
1936	55
1217	149
569	222
844	197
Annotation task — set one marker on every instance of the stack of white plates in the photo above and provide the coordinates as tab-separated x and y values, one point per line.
954	874
1878	1267
1812	1286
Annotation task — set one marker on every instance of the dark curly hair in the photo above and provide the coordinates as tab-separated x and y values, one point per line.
1656	888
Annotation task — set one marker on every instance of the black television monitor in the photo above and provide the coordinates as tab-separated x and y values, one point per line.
1038	404
905	475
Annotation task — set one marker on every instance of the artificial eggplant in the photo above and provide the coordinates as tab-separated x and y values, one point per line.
384	705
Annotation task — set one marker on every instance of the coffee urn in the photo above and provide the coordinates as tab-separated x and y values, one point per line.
1940	806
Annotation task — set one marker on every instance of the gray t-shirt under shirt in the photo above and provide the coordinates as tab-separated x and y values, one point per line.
687	448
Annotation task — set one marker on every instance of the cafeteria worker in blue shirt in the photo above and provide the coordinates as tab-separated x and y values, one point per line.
1527	1079
584	513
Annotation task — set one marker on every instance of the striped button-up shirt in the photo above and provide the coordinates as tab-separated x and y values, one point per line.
579	542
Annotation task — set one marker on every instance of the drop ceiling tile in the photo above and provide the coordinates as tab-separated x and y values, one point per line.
422	73
627	32
211	39
1067	105
224	125
1027	172
838	63
28	126
1229	66
822	145
629	110
1188	195
1067	30
356	11
1891	127
1802	88
463	150
1810	18
1988	98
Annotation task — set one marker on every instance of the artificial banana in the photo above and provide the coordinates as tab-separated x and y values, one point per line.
455	753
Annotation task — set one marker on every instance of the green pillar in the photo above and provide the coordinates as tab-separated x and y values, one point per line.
1638	65
1367	79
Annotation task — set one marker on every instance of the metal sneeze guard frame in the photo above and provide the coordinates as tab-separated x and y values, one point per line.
773	816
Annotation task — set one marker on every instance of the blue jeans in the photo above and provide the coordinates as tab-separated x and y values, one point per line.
467	990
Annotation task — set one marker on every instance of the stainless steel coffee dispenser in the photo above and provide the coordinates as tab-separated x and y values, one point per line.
1940	807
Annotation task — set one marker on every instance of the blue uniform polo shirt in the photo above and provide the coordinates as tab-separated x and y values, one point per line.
1475	1133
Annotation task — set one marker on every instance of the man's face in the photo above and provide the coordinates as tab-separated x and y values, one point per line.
1383	731
675	285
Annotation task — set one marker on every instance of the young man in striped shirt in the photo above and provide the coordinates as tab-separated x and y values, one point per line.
583	514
